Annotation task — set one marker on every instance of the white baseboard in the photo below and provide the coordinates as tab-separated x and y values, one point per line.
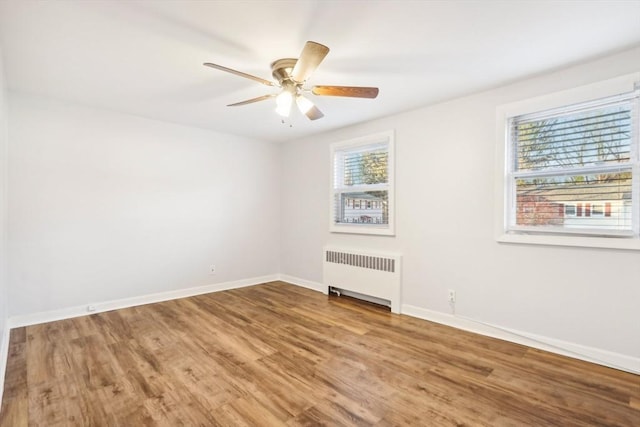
77	311
4	356
314	286
564	348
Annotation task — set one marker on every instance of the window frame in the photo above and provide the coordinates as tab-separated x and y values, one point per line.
387	138
504	154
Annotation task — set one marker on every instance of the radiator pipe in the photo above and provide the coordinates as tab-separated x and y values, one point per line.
333	290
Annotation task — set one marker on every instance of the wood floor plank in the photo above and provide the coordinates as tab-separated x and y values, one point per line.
281	355
15	381
15	412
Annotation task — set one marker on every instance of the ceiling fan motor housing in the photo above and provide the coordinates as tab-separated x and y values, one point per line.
281	70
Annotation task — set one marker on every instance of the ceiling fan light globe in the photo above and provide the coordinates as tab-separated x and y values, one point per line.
304	104
283	103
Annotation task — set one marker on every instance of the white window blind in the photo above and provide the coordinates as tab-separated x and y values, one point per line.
575	169
361	186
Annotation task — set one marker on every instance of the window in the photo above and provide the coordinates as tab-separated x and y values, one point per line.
597	209
362	185
572	168
569	210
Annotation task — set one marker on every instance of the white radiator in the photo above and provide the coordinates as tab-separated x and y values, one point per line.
364	273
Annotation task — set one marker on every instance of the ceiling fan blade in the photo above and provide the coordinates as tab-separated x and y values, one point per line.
252	100
311	56
350	91
240	73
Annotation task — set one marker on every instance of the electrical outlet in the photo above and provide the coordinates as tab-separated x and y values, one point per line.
91	308
451	296
212	269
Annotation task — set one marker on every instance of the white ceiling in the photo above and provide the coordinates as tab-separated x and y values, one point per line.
145	57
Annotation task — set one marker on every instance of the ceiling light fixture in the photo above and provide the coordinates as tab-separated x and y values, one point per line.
303	104
283	103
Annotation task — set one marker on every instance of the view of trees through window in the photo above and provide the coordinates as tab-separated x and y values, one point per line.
366	168
365	171
579	158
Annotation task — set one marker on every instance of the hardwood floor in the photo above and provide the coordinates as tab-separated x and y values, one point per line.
277	354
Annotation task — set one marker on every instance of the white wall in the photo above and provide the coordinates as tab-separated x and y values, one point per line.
4	304
107	206
445	167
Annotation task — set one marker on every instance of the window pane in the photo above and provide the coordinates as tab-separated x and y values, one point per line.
570	210
363	167
369	207
574	139
597	209
550	201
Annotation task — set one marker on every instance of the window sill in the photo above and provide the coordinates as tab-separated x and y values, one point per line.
363	229
626	243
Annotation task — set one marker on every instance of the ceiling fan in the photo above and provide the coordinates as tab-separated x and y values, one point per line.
291	75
